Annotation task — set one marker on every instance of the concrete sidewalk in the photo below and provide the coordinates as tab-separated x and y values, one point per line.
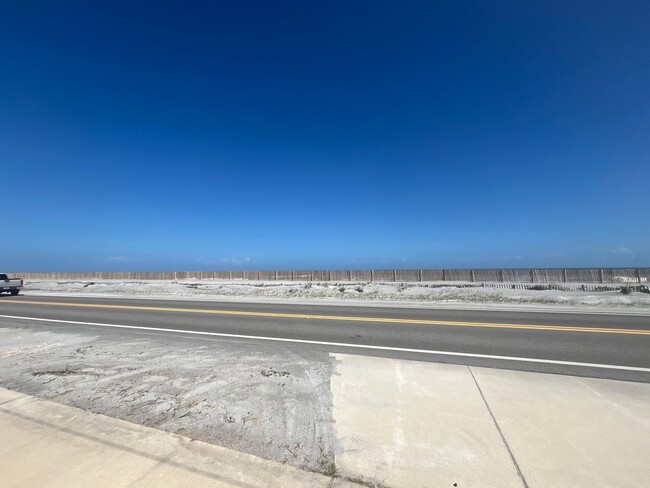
45	444
412	424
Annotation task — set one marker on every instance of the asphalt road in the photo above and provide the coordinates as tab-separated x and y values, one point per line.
583	344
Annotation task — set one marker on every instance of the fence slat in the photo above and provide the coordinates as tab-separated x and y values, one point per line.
505	275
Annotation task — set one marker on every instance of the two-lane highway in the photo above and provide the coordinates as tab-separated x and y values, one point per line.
613	346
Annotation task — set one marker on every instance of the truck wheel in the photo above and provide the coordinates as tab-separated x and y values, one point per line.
14	292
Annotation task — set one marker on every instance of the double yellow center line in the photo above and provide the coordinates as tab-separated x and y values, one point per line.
386	320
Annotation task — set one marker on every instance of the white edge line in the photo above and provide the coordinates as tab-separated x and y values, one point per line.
341	344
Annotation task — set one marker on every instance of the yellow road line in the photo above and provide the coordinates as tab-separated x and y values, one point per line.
603	330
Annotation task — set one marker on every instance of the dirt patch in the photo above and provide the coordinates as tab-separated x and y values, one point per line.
268	401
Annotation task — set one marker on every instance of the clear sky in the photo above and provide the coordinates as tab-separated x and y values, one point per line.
217	135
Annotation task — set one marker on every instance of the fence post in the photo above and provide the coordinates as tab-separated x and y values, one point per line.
503	279
472	276
291	275
329	275
564	275
230	275
394	275
532	276
638	274
444	275
349	275
276	275
372	275
601	275
420	275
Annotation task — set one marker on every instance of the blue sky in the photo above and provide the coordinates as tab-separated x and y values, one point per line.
217	135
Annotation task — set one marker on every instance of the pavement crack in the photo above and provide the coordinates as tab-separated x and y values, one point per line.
11	400
496	424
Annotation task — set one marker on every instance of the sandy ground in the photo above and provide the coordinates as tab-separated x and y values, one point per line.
380	421
403	293
272	403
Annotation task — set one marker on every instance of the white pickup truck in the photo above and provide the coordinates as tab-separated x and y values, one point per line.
11	286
